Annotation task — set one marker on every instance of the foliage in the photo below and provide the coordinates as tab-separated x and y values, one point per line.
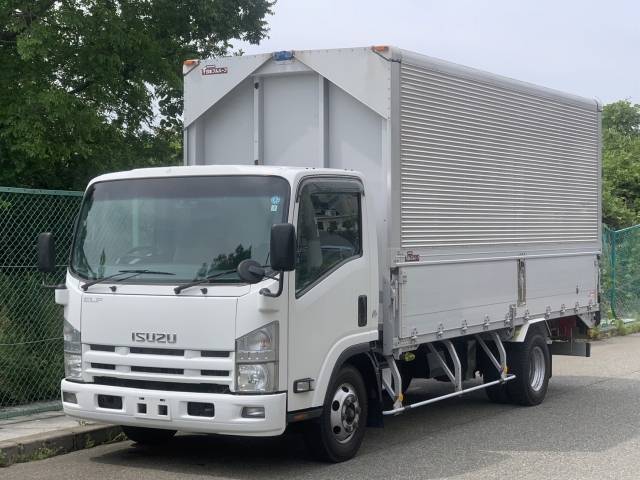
230	261
621	164
83	82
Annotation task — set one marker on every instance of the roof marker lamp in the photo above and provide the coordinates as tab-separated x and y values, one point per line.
283	55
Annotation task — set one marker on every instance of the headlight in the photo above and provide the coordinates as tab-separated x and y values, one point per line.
256	377
72	352
257	360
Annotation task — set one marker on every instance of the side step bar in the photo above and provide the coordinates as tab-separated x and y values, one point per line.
455	377
396	411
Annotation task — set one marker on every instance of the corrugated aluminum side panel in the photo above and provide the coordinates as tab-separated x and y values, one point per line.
483	164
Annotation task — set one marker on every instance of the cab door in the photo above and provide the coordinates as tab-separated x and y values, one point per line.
330	297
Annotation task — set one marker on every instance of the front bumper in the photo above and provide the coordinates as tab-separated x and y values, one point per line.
227	419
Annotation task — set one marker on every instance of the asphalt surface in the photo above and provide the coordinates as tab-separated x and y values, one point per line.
587	428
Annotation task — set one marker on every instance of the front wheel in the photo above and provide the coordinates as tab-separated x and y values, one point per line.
148	436
337	435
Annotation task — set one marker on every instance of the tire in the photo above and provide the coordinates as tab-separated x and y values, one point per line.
148	436
530	361
497	393
406	374
345	408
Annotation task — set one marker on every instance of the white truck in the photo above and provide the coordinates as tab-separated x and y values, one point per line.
347	220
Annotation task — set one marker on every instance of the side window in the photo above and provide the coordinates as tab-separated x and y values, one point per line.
329	228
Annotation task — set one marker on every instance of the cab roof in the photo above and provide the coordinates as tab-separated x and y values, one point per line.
292	174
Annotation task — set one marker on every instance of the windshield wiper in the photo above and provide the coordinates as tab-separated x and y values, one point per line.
206	279
135	273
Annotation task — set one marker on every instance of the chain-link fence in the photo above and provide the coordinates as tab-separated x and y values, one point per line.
30	322
621	274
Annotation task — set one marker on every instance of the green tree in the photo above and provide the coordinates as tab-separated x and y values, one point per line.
84	82
621	164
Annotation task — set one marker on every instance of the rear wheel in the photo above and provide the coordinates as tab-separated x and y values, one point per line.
497	393
530	362
337	435
148	436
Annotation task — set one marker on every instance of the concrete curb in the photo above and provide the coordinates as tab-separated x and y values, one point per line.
50	444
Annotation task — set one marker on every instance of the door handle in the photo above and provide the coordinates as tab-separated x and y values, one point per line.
362	310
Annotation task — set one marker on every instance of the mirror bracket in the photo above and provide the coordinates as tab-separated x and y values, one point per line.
267	293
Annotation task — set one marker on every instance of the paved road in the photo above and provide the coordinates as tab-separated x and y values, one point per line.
588	428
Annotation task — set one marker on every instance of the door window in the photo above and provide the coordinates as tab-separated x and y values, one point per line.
329	229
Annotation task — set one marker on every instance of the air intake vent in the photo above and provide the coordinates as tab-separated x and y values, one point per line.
103	366
215	373
211	353
162	386
103	348
157	351
168	371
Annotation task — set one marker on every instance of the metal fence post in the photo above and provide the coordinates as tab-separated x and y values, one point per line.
612	271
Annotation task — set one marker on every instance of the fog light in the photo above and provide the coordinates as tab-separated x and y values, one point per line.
69	397
252	412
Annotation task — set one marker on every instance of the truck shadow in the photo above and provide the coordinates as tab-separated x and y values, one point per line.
442	440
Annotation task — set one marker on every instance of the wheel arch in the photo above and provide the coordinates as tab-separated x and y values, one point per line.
520	334
362	358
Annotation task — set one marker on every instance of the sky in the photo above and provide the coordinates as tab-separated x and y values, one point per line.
589	48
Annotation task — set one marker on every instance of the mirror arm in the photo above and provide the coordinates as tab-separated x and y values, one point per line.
59	286
267	293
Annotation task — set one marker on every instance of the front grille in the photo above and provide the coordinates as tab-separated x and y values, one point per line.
168	371
151	364
167	386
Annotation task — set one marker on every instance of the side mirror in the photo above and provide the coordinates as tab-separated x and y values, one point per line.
250	271
282	254
283	247
46	253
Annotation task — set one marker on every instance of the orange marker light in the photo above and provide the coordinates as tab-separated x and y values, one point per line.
380	48
190	63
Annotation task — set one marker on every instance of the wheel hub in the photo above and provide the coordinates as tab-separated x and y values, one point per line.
537	369
345	413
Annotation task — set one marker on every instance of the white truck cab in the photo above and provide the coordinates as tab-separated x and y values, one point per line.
387	216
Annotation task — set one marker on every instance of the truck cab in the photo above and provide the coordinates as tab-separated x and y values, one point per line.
231	355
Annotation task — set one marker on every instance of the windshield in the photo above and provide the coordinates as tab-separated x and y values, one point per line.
191	227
